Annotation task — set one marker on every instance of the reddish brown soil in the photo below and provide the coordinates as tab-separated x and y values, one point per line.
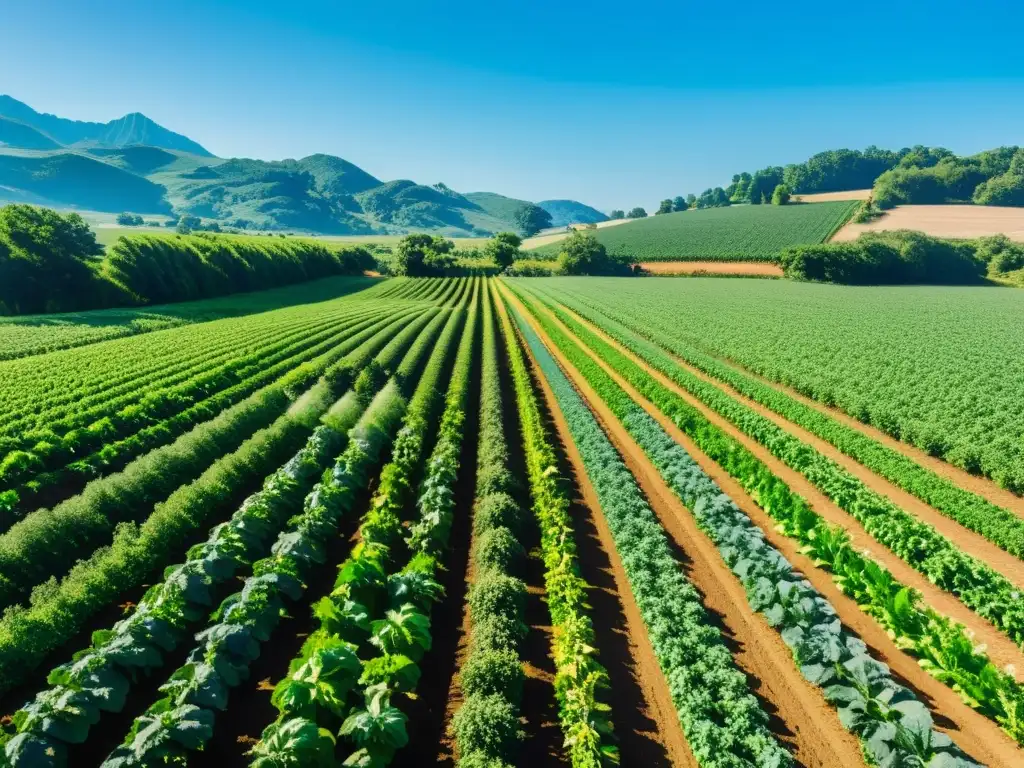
975	734
712	268
800	715
645	720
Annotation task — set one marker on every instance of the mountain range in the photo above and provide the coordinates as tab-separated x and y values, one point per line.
135	165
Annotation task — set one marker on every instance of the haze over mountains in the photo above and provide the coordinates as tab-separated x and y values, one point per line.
134	164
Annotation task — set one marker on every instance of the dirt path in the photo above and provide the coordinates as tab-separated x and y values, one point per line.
1001	648
800	716
645	719
974	733
982	486
759	268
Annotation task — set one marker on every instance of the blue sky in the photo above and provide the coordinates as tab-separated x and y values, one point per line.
614	104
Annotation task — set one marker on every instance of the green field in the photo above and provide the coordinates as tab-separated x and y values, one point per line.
738	233
941	368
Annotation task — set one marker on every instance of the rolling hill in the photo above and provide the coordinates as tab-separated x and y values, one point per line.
566	212
133	164
737	233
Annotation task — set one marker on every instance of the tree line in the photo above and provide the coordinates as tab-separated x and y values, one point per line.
51	262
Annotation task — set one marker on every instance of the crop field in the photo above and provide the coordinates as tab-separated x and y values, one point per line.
501	522
738	233
956	221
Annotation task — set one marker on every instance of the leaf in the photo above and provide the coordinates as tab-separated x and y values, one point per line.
294	743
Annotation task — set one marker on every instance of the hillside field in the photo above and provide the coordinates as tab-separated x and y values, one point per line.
954	221
736	233
586	522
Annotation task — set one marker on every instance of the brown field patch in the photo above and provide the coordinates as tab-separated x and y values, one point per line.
712	268
553	237
825	197
960	221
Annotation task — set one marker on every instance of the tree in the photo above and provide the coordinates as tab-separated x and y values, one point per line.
665	207
582	254
187	223
531	219
679	204
637	213
44	260
129	220
691	200
423	255
503	249
617	214
780	195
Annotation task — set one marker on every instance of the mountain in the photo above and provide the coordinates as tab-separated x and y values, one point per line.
566	212
134	128
133	164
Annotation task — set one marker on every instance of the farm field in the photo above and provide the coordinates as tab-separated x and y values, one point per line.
752	268
956	221
825	197
35	334
547	237
736	233
501	522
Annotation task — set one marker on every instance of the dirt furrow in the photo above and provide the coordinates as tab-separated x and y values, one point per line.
645	720
800	715
975	734
1001	649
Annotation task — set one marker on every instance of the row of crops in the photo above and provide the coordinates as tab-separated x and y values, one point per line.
340	563
739	233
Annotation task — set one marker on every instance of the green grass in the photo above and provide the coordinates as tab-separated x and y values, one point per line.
739	233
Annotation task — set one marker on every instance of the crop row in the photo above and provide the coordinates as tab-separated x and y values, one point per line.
48	541
1000	526
943	647
581	683
374	626
974	583
486	726
147	435
57	611
723	722
892	725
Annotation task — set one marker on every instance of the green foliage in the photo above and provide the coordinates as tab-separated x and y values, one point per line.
493	672
746	233
46	260
531	219
503	249
680	204
487	726
636	213
617	214
781	195
899	257
423	256
497	548
130	220
581	253
1000	253
665	206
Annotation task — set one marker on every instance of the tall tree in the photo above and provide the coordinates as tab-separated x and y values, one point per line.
503	248
679	204
665	207
637	213
531	219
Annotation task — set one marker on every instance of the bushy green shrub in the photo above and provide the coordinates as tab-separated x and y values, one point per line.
499	549
497	509
497	671
487	724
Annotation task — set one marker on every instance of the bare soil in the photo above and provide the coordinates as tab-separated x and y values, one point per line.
974	733
959	221
800	716
759	268
825	197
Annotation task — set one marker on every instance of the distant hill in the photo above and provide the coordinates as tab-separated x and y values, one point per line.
69	179
134	128
133	164
566	212
14	133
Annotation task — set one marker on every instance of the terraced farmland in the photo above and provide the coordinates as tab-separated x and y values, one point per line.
738	233
483	522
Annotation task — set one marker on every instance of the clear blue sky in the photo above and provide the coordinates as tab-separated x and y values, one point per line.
614	104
